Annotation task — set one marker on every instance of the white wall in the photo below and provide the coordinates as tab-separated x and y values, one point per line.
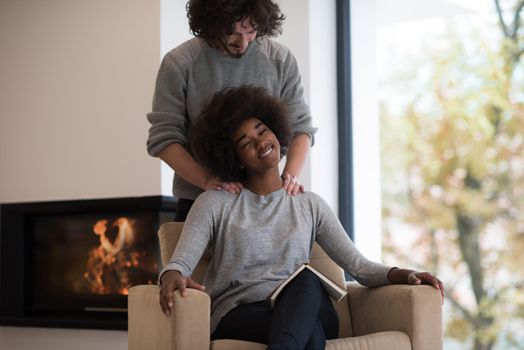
76	83
366	130
323	100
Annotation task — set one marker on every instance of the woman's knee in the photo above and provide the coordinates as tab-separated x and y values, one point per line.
307	279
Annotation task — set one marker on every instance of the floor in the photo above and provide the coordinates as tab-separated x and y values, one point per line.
26	338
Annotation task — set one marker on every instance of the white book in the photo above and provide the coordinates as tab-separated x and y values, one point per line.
334	290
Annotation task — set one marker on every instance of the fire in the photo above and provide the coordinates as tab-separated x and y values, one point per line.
108	264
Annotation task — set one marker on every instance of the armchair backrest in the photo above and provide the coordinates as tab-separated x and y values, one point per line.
168	236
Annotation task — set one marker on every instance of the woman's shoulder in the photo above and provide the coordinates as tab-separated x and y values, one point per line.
311	196
215	198
210	204
312	200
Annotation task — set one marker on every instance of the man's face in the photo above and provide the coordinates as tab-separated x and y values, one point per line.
235	44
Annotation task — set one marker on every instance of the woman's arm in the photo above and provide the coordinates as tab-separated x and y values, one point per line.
332	237
334	240
194	239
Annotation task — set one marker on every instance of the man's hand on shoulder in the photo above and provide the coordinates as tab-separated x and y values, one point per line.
212	183
291	184
232	187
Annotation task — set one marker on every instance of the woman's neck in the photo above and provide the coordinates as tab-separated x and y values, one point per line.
264	184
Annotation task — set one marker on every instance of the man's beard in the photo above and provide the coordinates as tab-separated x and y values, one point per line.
230	50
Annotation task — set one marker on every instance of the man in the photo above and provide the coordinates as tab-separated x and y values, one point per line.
231	48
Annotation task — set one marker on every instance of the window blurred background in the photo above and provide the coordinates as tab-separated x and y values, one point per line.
450	94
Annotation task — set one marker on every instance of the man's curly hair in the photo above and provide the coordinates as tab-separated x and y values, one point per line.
210	136
212	19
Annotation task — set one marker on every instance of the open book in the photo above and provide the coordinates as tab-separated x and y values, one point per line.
334	290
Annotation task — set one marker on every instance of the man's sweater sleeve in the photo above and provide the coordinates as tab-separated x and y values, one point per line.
332	237
168	117
293	93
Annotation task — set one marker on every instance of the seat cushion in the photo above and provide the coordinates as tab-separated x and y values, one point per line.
375	341
230	344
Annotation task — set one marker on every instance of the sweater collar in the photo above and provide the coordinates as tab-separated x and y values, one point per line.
262	199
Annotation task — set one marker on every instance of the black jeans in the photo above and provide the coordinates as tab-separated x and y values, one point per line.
182	208
303	318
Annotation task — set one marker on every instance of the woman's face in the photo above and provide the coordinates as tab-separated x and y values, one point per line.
256	146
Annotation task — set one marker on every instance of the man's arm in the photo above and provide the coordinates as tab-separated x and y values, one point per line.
179	159
293	93
168	130
296	157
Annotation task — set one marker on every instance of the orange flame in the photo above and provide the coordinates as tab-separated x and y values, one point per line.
108	264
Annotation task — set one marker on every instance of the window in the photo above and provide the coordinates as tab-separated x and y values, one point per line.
437	128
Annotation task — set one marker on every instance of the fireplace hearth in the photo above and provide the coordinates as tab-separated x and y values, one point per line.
70	263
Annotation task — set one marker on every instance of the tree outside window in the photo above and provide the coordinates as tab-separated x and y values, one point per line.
452	162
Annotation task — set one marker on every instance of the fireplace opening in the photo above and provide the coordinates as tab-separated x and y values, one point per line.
88	262
70	264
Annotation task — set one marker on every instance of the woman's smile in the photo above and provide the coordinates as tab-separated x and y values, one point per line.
266	151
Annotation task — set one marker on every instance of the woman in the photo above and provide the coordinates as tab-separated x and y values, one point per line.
260	236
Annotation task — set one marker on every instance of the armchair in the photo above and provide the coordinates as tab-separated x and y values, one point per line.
390	317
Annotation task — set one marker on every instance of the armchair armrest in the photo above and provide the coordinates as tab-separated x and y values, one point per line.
186	328
415	310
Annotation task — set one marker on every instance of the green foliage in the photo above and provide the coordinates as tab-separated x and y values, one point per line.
458	329
453	172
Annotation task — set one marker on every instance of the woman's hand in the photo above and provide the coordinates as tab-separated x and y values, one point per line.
403	276
426	278
291	184
170	281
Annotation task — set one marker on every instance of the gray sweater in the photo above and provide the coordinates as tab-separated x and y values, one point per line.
192	72
257	241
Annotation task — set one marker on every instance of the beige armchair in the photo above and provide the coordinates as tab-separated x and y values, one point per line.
391	317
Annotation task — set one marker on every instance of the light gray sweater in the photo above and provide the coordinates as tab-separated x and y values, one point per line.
192	72
258	241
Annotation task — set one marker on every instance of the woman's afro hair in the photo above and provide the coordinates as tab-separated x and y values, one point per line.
210	136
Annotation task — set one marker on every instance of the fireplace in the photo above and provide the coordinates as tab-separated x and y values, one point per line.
71	263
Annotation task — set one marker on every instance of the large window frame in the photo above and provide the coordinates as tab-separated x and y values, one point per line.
345	139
